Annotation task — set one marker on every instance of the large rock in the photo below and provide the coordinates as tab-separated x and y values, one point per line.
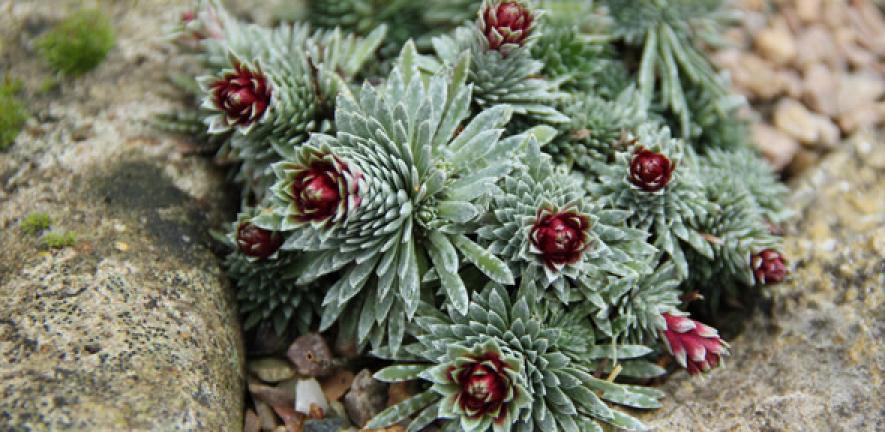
816	361
134	327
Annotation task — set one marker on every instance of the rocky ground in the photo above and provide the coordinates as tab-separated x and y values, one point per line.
816	360
134	326
812	70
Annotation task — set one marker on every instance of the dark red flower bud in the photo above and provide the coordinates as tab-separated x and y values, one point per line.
696	346
243	95
257	242
483	385
650	171
769	267
560	238
506	23
320	190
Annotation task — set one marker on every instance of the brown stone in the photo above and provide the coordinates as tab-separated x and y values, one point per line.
756	76
863	117
809	128
808	10
778	147
337	384
311	355
820	89
366	398
817	46
776	43
251	422
857	90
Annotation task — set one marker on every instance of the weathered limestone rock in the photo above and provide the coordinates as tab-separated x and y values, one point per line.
816	363
134	327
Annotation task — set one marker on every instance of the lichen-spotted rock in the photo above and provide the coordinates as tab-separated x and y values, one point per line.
816	361
134	326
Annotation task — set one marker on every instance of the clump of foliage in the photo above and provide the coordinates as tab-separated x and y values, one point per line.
35	222
59	240
509	211
79	43
12	113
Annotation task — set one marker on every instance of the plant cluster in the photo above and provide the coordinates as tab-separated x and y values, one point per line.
12	113
79	43
516	210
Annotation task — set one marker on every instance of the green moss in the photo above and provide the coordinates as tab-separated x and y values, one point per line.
12	113
35	222
57	240
79	43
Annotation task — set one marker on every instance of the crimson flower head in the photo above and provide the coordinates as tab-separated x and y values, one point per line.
242	95
506	24
323	188
560	238
696	347
257	242
769	267
650	171
483	386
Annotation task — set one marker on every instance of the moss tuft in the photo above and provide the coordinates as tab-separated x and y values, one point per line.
12	113
79	43
35	222
57	240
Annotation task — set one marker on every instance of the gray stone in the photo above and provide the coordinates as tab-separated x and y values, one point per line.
366	398
815	362
102	336
326	425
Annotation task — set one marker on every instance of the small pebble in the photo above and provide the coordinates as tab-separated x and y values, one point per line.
366	398
271	370
251	423
311	355
271	395
337	384
266	416
310	393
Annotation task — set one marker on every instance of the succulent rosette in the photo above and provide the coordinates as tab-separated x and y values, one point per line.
561	237
738	230
399	197
560	391
599	127
697	347
266	278
663	200
502	68
483	387
555	236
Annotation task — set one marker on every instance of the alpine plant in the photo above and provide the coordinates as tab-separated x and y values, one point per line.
500	367
513	203
661	189
266	287
503	70
391	194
